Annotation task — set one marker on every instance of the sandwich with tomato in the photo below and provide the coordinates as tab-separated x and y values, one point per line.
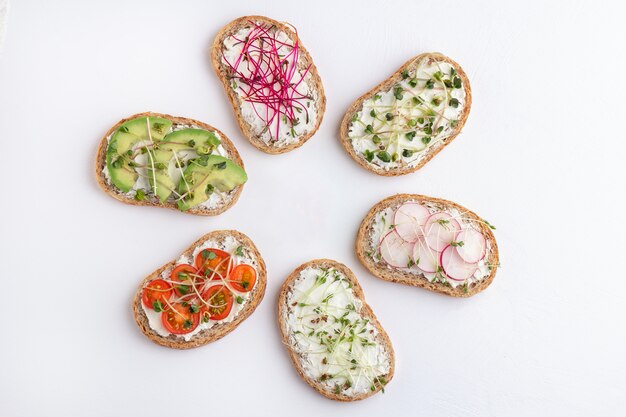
204	294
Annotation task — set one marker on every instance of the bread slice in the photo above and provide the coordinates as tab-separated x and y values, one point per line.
218	330
367	249
226	74
286	309
437	142
114	192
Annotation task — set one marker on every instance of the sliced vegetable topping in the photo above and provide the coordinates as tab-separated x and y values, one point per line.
200	293
213	263
188	277
218	302
156	293
147	160
243	278
434	242
179	319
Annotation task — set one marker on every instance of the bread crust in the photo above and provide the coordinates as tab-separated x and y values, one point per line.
111	190
380	269
223	74
387	85
283	309
219	330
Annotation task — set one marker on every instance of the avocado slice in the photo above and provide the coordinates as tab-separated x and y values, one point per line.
205	174
120	155
164	183
202	141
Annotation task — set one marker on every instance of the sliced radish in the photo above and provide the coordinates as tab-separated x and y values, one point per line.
441	229
409	221
429	275
454	266
473	248
395	250
426	259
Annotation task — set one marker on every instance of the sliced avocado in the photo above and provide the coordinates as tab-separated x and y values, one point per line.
202	141
204	175
119	157
159	127
164	183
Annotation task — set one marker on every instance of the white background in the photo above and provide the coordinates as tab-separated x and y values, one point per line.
541	157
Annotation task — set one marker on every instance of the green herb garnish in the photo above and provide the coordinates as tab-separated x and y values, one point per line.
384	156
140	195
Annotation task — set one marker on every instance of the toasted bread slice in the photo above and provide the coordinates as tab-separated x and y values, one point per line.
389	130
229	200
381	220
344	372
218	329
308	113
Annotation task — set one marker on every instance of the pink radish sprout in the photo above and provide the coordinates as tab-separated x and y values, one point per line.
270	66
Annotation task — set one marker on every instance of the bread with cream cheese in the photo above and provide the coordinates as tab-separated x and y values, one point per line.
368	247
263	137
337	387
409	141
218	330
104	183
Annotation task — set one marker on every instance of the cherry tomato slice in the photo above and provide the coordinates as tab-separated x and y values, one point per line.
209	259
157	291
243	278
184	274
220	299
179	319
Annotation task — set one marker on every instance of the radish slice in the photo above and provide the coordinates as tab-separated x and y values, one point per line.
454	266
426	259
409	221
474	245
429	275
441	229
395	251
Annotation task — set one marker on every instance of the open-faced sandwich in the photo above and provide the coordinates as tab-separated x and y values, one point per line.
333	337
428	242
271	81
154	159
400	124
203	295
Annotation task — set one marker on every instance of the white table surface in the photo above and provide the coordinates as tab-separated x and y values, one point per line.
541	157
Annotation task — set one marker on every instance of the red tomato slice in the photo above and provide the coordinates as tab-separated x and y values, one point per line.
220	299
209	259
179	319
243	278
184	274
156	291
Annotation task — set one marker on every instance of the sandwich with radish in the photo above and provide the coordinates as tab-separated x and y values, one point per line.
428	242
